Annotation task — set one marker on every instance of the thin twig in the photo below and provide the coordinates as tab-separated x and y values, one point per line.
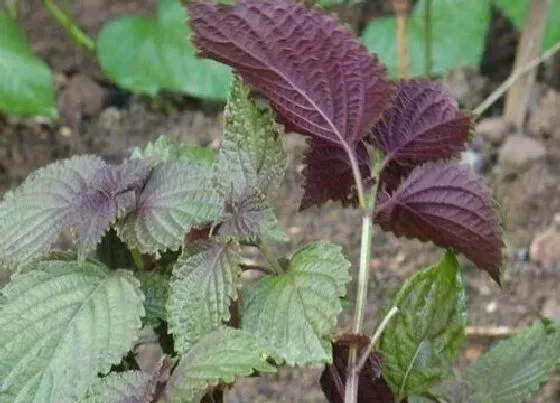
79	37
497	94
394	310
401	9
492	331
428	38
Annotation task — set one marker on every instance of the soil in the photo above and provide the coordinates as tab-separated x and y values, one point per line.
529	198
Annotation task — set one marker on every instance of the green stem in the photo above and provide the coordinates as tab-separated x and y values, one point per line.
271	259
351	391
76	34
428	43
138	260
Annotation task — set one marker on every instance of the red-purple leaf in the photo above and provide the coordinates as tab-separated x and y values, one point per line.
449	205
371	386
310	68
328	174
423	124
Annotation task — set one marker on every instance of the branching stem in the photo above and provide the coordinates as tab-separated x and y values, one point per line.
392	312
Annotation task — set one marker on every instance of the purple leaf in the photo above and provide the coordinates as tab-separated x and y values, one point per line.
328	174
449	205
423	124
371	386
310	68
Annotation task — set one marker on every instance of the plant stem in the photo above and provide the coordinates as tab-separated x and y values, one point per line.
137	257
392	312
428	40
76	34
351	392
401	9
271	259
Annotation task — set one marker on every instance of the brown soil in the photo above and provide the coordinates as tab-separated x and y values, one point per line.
529	199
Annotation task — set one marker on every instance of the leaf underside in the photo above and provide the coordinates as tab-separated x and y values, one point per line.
220	356
201	289
177	196
423	339
62	323
513	370
295	312
310	68
449	205
82	194
328	174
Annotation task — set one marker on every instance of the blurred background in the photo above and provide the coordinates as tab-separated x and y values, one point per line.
81	76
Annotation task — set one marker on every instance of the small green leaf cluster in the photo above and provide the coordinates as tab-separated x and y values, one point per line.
158	242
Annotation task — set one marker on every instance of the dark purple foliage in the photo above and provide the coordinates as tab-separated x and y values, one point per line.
328	174
308	66
423	124
371	385
449	205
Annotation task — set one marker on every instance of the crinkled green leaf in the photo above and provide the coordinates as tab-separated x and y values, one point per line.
459	30
82	194
122	387
295	312
252	152
25	80
251	218
202	287
177	196
151	54
155	287
517	11
221	356
424	337
61	323
512	371
163	150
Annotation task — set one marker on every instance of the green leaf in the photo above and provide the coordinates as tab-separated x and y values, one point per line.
252	163
148	55
155	287
61	323
25	80
423	338
201	289
221	356
513	370
163	150
516	10
296	312
58	197
252	152
459	30
177	196
122	387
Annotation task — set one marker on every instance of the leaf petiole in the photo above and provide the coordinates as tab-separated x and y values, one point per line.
270	258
